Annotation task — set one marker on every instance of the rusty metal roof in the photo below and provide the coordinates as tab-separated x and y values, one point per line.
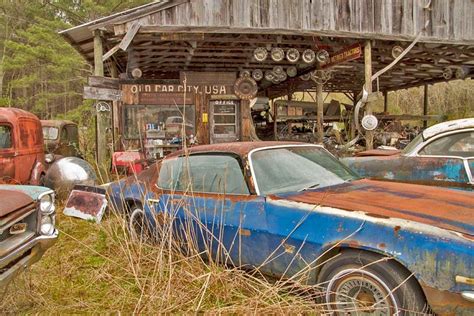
13	114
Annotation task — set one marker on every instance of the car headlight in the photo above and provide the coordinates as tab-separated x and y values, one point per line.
47	225
47	204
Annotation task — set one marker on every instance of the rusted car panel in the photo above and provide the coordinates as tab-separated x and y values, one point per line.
21	147
27	230
61	137
429	231
439	156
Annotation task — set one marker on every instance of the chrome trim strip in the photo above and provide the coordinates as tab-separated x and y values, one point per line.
468	295
25	247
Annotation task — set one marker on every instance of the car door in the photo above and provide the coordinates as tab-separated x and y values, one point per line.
446	158
211	203
29	137
7	153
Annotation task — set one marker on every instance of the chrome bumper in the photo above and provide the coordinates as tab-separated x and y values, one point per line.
38	245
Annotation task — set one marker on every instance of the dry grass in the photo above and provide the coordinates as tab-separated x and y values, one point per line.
98	268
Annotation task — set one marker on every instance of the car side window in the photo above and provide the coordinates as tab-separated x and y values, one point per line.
203	173
460	145
5	137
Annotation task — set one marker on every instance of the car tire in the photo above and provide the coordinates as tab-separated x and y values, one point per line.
137	223
359	282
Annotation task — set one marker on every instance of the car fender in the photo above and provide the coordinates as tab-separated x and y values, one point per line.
38	170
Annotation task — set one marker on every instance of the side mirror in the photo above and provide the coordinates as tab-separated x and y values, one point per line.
49	158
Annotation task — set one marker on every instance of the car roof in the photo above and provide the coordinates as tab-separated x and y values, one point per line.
56	123
238	148
13	114
448	127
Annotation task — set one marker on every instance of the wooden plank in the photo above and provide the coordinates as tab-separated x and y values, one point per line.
112	51
128	38
103	82
94	93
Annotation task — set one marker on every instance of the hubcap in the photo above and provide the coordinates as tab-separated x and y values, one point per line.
356	292
137	223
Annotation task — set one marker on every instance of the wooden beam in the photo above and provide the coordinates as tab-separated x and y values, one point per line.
128	38
102	121
425	104
112	51
385	101
320	112
369	135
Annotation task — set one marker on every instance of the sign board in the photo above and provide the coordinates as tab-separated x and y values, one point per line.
103	82
102	94
348	53
207	78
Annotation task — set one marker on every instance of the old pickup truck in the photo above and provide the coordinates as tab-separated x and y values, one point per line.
22	158
292	210
27	227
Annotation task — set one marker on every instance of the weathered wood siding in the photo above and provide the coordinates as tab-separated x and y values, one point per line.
450	20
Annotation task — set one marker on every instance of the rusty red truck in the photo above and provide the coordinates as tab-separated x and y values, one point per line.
22	158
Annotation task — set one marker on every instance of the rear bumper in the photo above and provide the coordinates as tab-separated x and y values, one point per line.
24	256
448	303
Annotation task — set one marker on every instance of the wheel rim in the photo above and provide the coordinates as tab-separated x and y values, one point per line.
137	223
353	291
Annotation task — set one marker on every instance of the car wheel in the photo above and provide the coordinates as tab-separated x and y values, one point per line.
137	223
363	283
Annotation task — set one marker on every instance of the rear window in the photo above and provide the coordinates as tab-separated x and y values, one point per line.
203	173
5	137
50	133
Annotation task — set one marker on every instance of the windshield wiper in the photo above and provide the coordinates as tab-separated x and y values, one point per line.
309	187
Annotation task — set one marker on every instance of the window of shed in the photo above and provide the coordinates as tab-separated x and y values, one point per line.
203	173
165	120
5	137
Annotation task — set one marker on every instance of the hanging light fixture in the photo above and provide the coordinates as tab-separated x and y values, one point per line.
260	54
277	54
309	56
292	55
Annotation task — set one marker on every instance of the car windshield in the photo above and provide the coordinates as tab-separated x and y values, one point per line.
413	144
290	169
50	133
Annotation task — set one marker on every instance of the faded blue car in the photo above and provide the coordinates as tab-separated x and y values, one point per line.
27	227
293	210
442	155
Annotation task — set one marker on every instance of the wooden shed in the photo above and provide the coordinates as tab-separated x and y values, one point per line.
208	58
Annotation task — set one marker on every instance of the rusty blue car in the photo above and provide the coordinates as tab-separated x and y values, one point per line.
292	210
442	155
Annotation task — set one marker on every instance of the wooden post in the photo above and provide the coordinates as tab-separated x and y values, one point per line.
115	113
102	117
369	136
353	126
425	105
275	122
320	110
385	102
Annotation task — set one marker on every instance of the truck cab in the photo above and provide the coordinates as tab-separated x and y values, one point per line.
22	159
